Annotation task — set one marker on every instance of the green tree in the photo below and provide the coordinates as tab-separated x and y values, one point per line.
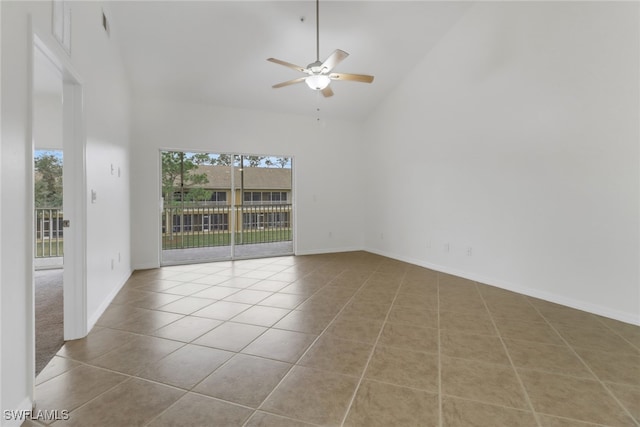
254	161
222	160
282	162
48	181
179	169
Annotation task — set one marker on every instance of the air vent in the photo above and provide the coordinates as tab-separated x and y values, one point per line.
105	24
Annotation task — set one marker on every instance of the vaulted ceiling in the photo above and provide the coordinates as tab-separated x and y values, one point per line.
215	52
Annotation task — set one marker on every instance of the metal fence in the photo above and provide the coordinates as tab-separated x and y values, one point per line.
49	240
199	227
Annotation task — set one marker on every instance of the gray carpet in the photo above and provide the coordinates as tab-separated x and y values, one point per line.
49	316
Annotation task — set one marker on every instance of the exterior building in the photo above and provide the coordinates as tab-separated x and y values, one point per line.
254	199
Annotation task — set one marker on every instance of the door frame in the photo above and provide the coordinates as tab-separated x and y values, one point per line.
74	191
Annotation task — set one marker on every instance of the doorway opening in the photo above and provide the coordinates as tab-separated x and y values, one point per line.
219	206
48	209
58	184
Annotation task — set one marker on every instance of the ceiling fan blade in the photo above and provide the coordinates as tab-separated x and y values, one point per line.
288	64
289	82
327	92
334	59
352	77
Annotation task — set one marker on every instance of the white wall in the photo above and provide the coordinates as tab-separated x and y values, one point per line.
47	119
326	177
517	136
106	103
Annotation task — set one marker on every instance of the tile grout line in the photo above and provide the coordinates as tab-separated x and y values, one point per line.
373	349
575	353
293	365
506	350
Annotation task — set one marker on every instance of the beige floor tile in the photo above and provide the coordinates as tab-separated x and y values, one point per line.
282	300
483	382
300	288
373	296
629	396
210	279
320	306
261	316
117	313
478	322
355	329
386	405
409	337
559	315
462	303
263	419
414	316
420	301
337	355
483	348
575	398
148	322
75	387
286	346
154	300
318	397
596	339
186	366
626	330
549	421
248	296
614	367
186	289
222	310
186	305
528	331
269	285
520	312
56	366
98	342
240	282
466	413
246	380
545	357
230	336
216	292
187	329
136	354
193	410
366	310
404	368
132	403
305	321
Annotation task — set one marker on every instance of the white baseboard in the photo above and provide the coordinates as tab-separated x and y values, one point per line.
535	293
145	266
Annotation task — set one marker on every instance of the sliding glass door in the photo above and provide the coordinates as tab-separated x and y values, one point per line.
225	206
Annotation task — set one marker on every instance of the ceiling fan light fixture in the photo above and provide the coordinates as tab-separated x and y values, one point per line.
317	81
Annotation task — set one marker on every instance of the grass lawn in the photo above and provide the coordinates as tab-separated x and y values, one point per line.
221	238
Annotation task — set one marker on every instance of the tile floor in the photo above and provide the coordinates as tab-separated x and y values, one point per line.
351	339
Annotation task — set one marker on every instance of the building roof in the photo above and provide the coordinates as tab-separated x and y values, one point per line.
254	178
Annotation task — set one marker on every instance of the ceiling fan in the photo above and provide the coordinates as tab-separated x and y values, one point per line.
319	74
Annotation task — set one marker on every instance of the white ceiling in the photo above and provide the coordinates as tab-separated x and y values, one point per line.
215	51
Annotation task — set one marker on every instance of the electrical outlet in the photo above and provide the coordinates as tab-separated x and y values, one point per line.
469	251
